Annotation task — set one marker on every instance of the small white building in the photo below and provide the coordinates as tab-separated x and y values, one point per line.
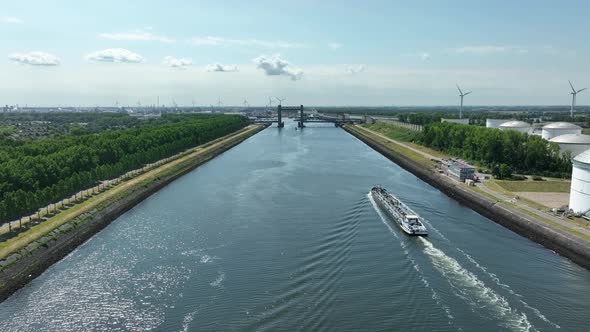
560	128
459	121
580	187
575	143
495	123
519	126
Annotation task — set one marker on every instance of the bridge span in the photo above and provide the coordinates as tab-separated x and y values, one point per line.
303	118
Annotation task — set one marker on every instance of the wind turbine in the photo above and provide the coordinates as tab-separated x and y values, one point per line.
280	100
461	94
574	93
246	104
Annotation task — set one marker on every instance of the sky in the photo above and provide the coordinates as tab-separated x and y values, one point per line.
346	53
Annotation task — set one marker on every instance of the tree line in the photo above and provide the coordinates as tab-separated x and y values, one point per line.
523	153
36	173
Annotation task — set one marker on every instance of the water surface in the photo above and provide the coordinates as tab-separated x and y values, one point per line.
279	233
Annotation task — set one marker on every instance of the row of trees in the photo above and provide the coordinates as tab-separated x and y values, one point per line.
36	173
521	152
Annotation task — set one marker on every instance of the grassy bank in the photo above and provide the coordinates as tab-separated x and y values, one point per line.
405	135
394	132
535	186
395	148
103	200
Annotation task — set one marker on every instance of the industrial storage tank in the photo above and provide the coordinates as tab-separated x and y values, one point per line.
495	123
576	143
520	126
580	188
560	128
459	121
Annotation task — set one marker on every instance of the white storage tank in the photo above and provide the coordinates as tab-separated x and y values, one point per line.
495	123
560	128
459	121
580	188
520	126
576	143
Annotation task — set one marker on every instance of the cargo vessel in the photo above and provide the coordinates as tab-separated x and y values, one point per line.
406	219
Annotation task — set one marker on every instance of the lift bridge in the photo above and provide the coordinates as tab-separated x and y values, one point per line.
337	120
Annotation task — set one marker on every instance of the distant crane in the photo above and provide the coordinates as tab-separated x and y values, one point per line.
574	93
461	94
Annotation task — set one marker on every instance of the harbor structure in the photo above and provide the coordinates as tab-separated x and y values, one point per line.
461	171
519	126
495	123
575	143
555	129
580	187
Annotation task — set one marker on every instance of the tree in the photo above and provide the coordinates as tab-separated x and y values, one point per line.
505	171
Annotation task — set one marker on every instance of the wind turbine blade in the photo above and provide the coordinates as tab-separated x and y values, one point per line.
458	88
581	90
466	93
574	90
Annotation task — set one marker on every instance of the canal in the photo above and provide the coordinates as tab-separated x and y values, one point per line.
279	233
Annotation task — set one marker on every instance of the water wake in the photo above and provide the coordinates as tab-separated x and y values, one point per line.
475	293
311	289
415	265
494	278
217	282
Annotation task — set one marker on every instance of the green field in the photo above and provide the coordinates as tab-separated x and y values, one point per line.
535	186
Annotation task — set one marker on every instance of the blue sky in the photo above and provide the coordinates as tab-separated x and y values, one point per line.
312	52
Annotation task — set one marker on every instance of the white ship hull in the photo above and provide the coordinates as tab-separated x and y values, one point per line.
405	217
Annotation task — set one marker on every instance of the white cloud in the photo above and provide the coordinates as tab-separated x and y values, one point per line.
181	63
10	20
335	46
220	41
356	69
35	58
115	55
217	67
488	49
136	36
275	65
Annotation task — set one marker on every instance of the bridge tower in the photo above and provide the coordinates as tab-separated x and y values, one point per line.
300	124
281	123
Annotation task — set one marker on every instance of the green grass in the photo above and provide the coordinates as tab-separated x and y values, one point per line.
393	132
535	186
396	148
